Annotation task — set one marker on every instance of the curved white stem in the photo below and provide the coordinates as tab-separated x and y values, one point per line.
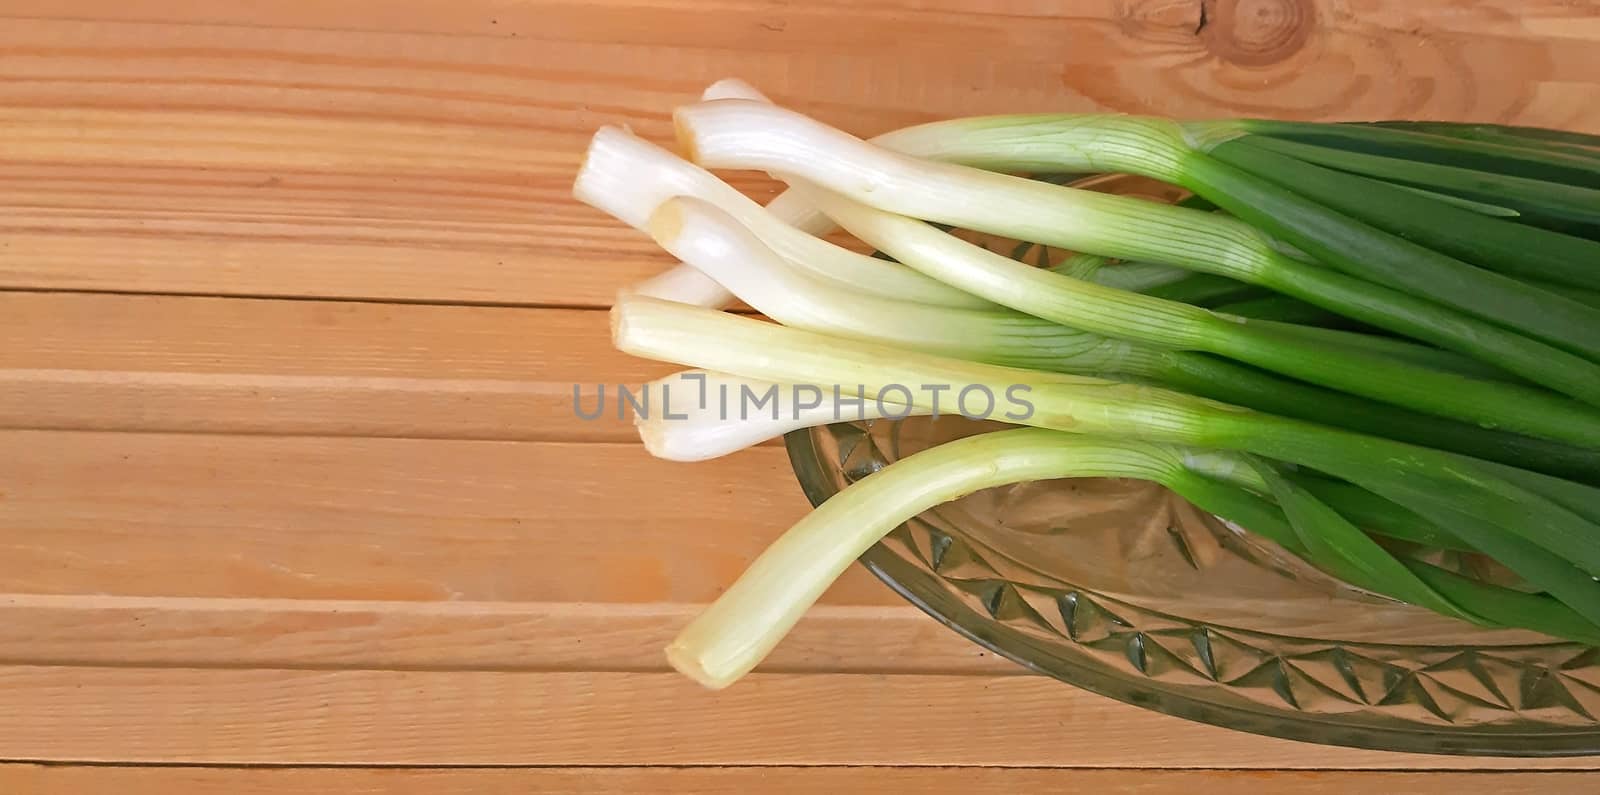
1045	142
733	88
1062	299
705	415
733	133
685	285
629	177
743	346
788	206
743	625
711	240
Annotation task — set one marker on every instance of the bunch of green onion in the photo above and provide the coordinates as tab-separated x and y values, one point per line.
1360	341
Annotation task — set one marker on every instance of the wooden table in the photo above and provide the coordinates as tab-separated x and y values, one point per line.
291	495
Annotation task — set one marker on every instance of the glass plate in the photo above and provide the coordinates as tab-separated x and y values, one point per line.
1124	589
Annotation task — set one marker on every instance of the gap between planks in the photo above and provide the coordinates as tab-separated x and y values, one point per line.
80	361
505	636
273	716
37	779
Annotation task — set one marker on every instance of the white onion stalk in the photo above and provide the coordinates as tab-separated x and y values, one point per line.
748	620
749	348
629	177
1027	143
936	142
787	206
794	210
703	236
734	88
743	134
684	285
689	429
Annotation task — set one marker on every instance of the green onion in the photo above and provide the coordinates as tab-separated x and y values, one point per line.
1249	180
1502	245
1583	500
701	430
1503	606
1204	289
1267	191
684	285
704	237
1547	204
1529	534
1218	379
1390	347
1459	236
1356	451
1481	148
1138	277
1491	210
1506	606
1377	515
1349	553
707	238
1282	309
1088	266
1580	294
1137	317
744	624
743	134
629	177
1520	140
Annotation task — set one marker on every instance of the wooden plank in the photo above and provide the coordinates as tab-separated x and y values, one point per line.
111	780
1021	30
109	362
175	715
506	636
311	517
740	25
415	151
198	149
262	164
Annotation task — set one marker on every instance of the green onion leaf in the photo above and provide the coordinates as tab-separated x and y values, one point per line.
1349	554
1266	188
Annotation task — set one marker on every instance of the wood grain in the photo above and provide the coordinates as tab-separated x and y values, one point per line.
105	362
176	715
56	780
237	528
421	151
408	519
504	636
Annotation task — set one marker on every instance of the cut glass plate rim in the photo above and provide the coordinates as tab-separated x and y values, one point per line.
933	595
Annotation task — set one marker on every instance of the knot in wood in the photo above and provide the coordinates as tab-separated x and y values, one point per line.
1256	32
